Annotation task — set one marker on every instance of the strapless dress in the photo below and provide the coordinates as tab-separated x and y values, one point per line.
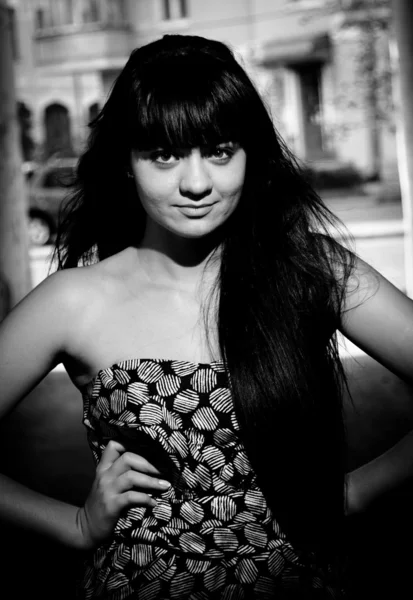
211	534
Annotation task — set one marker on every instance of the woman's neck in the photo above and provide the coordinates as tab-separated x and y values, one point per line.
177	261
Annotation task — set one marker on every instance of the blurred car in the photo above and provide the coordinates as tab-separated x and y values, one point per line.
47	187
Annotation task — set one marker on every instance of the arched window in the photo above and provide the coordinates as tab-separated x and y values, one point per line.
93	112
57	128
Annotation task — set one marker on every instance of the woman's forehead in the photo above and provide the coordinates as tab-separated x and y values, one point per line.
183	137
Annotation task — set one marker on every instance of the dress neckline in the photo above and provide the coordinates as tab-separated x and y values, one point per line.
122	365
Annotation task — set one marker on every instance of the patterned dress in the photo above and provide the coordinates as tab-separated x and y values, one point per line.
211	534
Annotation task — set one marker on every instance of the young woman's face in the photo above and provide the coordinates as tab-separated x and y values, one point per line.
190	192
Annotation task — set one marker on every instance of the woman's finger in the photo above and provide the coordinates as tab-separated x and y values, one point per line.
133	479
131	498
112	453
136	462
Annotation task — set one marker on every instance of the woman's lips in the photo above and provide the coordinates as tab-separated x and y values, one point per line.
195	210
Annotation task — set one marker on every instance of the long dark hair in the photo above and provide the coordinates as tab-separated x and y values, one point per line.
282	275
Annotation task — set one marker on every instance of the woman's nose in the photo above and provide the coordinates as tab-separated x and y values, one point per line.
195	180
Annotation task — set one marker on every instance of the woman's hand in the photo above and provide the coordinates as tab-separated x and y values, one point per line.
123	479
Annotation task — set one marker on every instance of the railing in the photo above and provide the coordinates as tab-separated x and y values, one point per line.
59	17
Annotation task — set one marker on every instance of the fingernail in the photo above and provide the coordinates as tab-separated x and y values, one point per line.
163	483
153	502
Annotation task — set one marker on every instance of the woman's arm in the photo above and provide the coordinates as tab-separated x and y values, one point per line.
378	318
33	338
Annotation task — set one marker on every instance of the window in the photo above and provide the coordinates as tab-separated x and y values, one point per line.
116	11
175	9
91	12
68	12
43	17
310	78
51	14
40	19
57	129
54	13
9	25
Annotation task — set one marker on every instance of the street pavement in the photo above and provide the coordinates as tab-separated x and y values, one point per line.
367	209
378	233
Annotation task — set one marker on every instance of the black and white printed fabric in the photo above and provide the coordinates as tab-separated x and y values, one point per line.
211	534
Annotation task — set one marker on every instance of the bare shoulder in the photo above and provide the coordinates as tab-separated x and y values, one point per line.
45	319
75	289
50	324
117	267
67	288
82	294
62	294
35	334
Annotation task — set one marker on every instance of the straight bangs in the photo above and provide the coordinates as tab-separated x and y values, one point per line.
186	114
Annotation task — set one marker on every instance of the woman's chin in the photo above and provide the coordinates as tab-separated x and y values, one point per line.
195	231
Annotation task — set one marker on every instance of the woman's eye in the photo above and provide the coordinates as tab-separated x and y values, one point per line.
221	154
164	158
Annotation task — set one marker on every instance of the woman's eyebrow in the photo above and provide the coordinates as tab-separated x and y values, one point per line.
185	150
229	142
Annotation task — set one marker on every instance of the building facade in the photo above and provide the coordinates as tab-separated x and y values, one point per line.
322	65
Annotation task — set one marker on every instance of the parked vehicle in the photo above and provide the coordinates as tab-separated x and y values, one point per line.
47	187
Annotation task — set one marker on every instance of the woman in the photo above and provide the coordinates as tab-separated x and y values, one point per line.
201	333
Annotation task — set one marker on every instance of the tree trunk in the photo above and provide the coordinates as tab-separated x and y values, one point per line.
14	255
403	27
370	72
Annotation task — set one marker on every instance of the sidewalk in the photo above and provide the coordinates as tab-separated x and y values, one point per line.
365	216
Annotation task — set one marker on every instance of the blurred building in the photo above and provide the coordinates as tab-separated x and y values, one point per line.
323	66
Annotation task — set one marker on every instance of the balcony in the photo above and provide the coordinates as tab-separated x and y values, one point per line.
73	35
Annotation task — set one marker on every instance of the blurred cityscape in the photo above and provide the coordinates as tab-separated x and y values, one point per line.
324	67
